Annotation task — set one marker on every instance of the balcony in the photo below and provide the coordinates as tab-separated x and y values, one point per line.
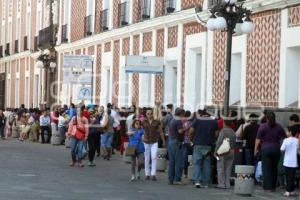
104	20
36	41
145	9
124	14
1	51
16	46
169	6
64	33
88	25
7	49
25	43
47	37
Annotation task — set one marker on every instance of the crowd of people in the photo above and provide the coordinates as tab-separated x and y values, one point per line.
212	141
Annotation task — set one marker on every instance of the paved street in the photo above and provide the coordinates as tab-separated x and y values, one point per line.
40	172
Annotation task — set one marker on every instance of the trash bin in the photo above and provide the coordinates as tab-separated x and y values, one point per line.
244	181
126	159
55	138
161	161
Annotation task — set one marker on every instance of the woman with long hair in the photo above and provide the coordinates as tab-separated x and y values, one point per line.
268	139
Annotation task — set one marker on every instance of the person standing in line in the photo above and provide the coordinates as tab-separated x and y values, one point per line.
268	140
167	120
224	164
78	132
93	138
175	148
153	130
203	132
107	138
2	124
62	126
136	134
45	125
290	148
187	146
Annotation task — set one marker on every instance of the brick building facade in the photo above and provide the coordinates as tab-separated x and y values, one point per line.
194	58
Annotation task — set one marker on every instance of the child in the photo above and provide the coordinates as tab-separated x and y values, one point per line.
290	147
136	140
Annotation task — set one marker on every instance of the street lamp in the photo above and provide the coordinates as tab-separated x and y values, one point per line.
229	16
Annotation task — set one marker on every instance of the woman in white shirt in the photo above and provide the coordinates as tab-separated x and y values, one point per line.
290	147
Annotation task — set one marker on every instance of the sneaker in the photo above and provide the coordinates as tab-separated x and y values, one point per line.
132	178
147	178
91	164
80	164
198	185
154	178
138	175
287	194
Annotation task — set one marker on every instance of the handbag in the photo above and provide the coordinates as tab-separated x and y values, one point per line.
79	134
130	151
225	147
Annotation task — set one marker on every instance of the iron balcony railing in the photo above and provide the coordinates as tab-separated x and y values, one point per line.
88	25
1	51
169	6
64	33
46	37
104	20
16	46
7	49
124	14
145	9
25	43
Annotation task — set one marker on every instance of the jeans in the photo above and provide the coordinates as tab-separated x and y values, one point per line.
270	158
48	129
76	149
62	133
106	140
150	152
202	164
224	167
249	157
2	131
176	161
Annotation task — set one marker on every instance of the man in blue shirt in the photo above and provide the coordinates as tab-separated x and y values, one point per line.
203	132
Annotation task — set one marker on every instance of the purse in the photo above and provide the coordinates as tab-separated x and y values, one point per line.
130	151
79	134
225	147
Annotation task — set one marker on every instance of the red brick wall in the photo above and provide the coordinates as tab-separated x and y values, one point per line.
147	41
263	61
135	76
13	83
158	78
172	36
78	13
22	81
188	29
107	47
98	16
136	11
219	60
159	8
126	46
33	24
185	4
98	74
294	16
116	66
116	13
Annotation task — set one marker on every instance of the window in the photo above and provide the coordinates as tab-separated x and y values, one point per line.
89	19
26	92
18	28
169	6
145	9
124	13
17	93
38	23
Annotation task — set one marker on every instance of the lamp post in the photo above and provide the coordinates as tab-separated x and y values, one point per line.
229	16
48	55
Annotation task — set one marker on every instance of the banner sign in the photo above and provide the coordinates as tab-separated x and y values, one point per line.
144	64
77	77
78	62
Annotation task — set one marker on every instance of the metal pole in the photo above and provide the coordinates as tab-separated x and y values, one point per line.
227	71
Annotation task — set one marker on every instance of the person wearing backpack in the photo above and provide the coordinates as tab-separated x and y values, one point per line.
225	160
78	132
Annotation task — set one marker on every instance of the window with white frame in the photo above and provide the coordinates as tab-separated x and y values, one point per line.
18	28
89	19
124	12
17	93
105	16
